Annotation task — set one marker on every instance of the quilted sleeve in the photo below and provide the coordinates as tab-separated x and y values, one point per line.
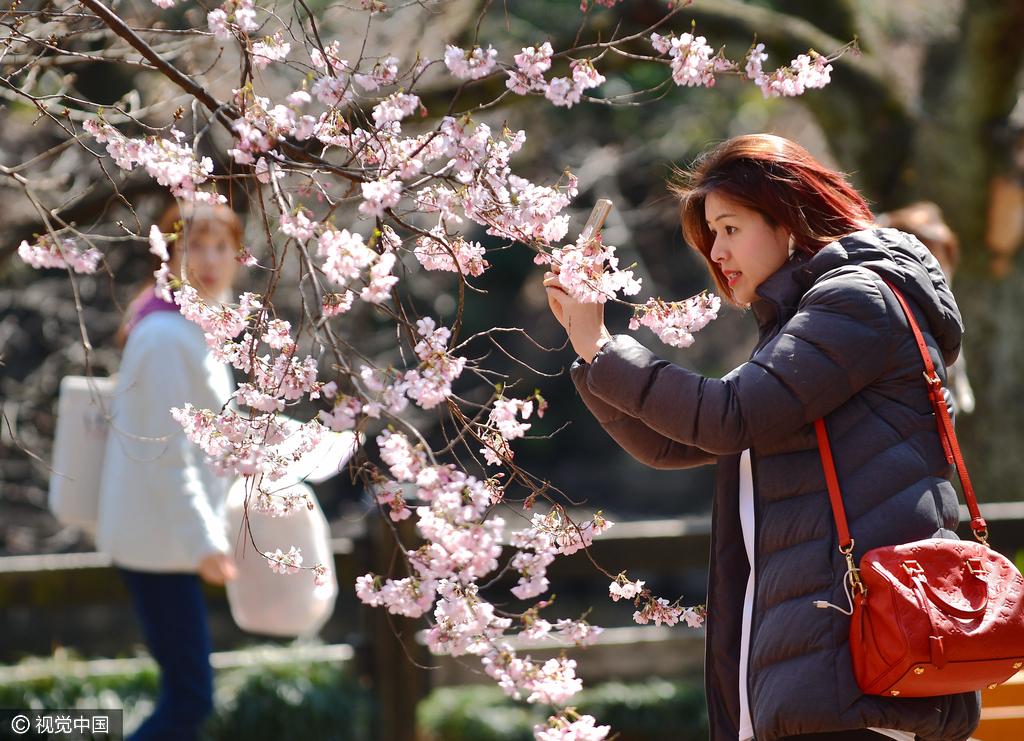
838	342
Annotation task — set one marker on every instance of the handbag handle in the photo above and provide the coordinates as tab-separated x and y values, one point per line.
950	445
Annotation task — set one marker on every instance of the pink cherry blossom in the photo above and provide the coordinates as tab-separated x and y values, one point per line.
464	623
464	551
380	195
660	611
402	458
384	72
217	20
284	563
329	59
281	503
337	303
277	334
342	415
430	383
409	597
320	575
534	61
472	64
579	632
588	271
65	253
381	281
805	72
298	225
270	49
693	61
625	589
157	244
442	199
170	163
503	417
394	108
435	252
676	322
248	395
389	493
583	728
345	255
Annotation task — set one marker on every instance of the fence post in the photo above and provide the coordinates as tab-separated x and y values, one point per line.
394	658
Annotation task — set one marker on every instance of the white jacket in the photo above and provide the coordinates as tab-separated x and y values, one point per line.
162	508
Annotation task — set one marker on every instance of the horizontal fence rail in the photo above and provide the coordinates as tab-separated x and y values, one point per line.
77	601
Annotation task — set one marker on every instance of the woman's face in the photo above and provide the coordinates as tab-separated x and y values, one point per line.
208	250
747	248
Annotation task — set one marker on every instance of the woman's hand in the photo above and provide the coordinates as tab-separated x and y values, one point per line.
217	569
584	323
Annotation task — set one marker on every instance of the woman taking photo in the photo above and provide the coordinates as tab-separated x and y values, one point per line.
162	509
794	242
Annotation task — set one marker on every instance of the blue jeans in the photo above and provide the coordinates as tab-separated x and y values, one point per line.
172	612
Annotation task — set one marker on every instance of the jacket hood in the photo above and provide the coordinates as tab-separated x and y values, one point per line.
897	256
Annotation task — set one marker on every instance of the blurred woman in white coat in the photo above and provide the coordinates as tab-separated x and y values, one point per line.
162	509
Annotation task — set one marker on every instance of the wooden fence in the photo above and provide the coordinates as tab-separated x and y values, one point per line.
76	600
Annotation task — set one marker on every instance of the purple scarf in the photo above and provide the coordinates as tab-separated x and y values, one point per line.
145	304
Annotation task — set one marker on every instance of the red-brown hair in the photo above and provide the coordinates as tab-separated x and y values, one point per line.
173	222
777	178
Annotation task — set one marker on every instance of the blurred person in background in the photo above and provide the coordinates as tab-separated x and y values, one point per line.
162	508
924	220
797	244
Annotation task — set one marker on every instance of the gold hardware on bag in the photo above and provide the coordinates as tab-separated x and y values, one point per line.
1018	664
913	568
993	686
975	566
919	670
894	692
857	586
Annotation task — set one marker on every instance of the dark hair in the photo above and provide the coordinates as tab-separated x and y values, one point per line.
777	178
176	219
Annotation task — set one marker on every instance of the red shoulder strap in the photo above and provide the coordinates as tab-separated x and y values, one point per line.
947	435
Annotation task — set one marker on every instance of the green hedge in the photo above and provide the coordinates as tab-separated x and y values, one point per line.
308	701
324	702
637	711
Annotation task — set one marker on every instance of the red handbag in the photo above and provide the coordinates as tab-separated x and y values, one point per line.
936	616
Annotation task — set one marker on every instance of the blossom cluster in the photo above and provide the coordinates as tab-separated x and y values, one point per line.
693	61
583	727
284	563
172	164
234	16
807	71
503	425
439	252
470	64
676	322
63	253
589	271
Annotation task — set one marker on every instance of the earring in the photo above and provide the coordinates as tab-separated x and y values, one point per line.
792	245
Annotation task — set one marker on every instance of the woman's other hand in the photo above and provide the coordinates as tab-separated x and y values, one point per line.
584	323
217	569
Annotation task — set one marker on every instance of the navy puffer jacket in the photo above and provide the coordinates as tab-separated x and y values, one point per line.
833	343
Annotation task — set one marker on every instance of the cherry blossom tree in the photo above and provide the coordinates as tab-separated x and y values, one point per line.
354	182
